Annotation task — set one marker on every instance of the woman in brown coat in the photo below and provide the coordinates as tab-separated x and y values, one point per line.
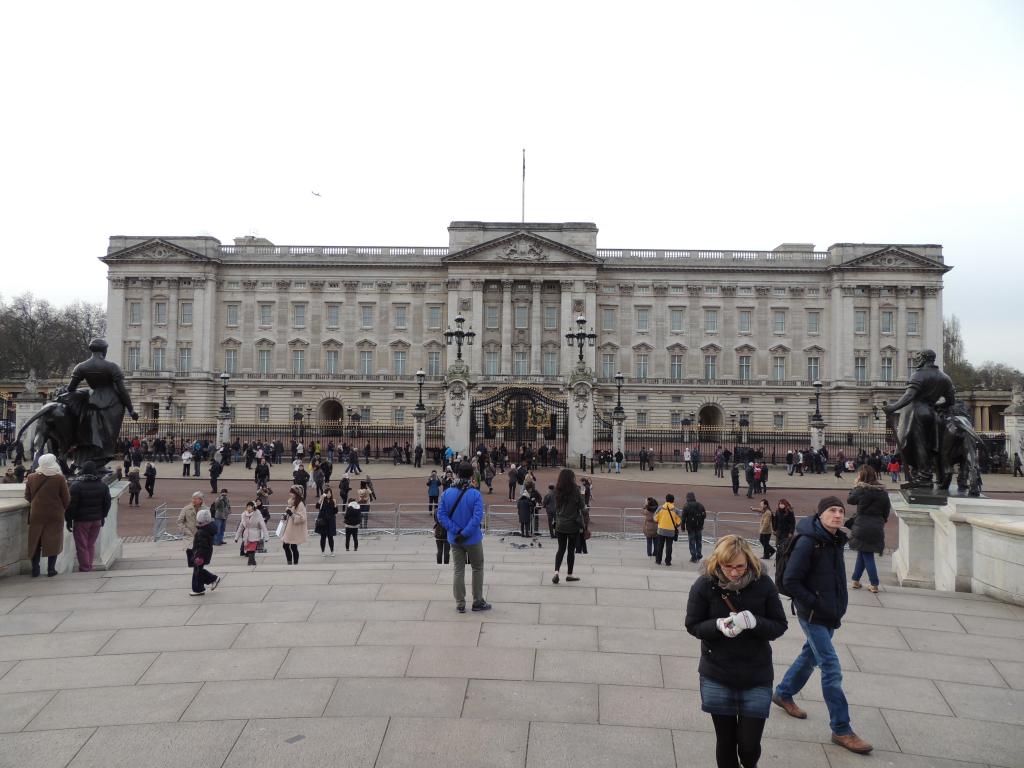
47	491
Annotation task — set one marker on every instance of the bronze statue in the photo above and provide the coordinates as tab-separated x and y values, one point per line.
933	433
83	425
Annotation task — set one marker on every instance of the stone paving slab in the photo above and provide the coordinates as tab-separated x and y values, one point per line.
123	618
538	636
981	625
877	635
1008	649
248	613
76	672
200	664
31	623
16	647
394	610
994	744
420	633
466	743
680	672
500	613
349	577
346	661
913	694
42	750
641	598
115	705
694	747
18	709
976	702
266	577
245	699
298	633
482	663
572	594
910	619
7	603
557	745
528	700
969	607
962	669
343	742
1012	672
160	745
425	592
223	595
657	641
82	602
26	586
398	697
842	758
322	592
159	639
594	667
597	615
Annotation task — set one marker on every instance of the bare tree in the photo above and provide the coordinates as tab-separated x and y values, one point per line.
952	341
36	336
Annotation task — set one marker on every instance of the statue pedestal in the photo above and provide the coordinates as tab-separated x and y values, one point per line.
914	561
28	406
419	428
581	416
457	407
818	435
954	540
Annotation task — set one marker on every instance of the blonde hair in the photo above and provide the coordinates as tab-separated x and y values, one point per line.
729	548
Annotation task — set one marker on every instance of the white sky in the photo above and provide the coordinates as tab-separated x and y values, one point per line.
671	125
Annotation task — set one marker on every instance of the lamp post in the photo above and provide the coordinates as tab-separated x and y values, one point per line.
297	422
421	376
170	413
224	379
732	421
308	423
619	378
419	415
817	401
459	336
581	337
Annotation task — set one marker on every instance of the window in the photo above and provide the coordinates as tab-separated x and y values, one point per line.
366	315
779	367
299	315
365	413
676	367
607	319
887	321
520	364
298	361
401	316
813	368
184	359
711	321
641	418
179	412
710	367
814	322
433	363
522	316
860	369
263	360
744	367
366	362
676	419
675	317
264	413
550	360
133	358
813	291
158	358
266	314
333	315
230	360
398	360
398	415
913	322
491	316
231	315
862	422
160	313
491	362
434	317
860	321
887	369
779	421
185	313
779	321
135	313
550	318
640	371
743	326
607	365
643	319
331	361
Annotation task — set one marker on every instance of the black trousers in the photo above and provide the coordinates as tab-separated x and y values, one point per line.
291	553
566	549
444	551
738	741
51	561
663	546
326	539
352	535
766	543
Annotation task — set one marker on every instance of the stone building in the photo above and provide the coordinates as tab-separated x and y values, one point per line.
704	335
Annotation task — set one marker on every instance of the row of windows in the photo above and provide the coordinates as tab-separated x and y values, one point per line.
886	321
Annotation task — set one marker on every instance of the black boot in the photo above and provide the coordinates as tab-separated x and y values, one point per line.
51	566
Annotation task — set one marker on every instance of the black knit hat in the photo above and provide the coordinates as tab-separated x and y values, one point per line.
830	501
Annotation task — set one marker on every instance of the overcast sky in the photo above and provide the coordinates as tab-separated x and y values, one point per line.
671	125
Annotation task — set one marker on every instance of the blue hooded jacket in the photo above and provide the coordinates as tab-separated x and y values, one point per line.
466	518
816	574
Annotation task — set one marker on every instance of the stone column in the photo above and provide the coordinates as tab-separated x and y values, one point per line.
476	322
818	434
171	351
581	416
932	321
535	328
28	405
567	325
457	407
419	428
590	310
506	327
202	336
145	353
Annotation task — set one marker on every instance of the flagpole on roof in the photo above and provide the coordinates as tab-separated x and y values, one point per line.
524	187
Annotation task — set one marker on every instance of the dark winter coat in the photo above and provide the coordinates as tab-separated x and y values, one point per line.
867	530
744	661
49	498
202	542
524	506
650	527
785	522
569	518
90	500
816	574
694	515
327	519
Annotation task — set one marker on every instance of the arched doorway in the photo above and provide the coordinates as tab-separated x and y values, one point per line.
710	416
330	410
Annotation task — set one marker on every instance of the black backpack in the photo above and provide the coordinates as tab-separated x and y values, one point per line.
782	560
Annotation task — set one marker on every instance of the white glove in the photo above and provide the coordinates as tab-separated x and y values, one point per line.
743	620
727	627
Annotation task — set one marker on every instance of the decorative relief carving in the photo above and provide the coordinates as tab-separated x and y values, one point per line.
283	285
590	285
660	289
476	285
525	250
762	290
566	285
418	286
578	306
626	289
508	285
351	285
384	286
848	291
317	285
249	285
874	290
728	290
581	400
931	291
457	399
452	283
465	304
118	282
796	290
694	290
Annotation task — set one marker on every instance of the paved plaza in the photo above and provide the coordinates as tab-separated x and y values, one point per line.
361	660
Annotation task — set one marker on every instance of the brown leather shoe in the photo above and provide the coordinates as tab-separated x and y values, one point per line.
790	706
852	742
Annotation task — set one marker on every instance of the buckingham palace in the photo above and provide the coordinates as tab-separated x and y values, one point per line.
340	332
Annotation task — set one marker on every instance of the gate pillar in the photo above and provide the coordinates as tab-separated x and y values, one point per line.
456	411
619	432
581	415
1013	424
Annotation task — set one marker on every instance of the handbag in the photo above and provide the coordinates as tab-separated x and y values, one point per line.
251	546
280	529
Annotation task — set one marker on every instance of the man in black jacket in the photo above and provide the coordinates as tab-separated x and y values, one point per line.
815	576
694	515
85	515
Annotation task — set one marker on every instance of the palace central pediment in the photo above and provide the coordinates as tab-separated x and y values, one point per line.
521	247
156	250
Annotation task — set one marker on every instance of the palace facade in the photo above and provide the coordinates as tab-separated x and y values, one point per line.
332	331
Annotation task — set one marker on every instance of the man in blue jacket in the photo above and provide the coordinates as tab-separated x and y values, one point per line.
815	576
461	512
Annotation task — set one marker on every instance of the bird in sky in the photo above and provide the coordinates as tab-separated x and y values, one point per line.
315	194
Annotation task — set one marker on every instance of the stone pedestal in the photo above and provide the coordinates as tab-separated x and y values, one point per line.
581	415
28	406
224	429
1014	425
457	407
914	561
619	432
818	435
998	556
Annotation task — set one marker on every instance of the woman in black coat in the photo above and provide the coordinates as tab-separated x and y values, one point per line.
867	528
524	507
734	609
327	521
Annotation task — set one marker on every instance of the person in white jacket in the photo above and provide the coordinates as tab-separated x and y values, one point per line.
251	530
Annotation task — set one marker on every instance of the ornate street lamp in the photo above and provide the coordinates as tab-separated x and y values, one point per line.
619	378
817	401
460	336
732	421
224	379
581	337
421	376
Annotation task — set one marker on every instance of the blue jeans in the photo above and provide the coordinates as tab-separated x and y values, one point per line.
866	560
695	544
819	652
218	536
